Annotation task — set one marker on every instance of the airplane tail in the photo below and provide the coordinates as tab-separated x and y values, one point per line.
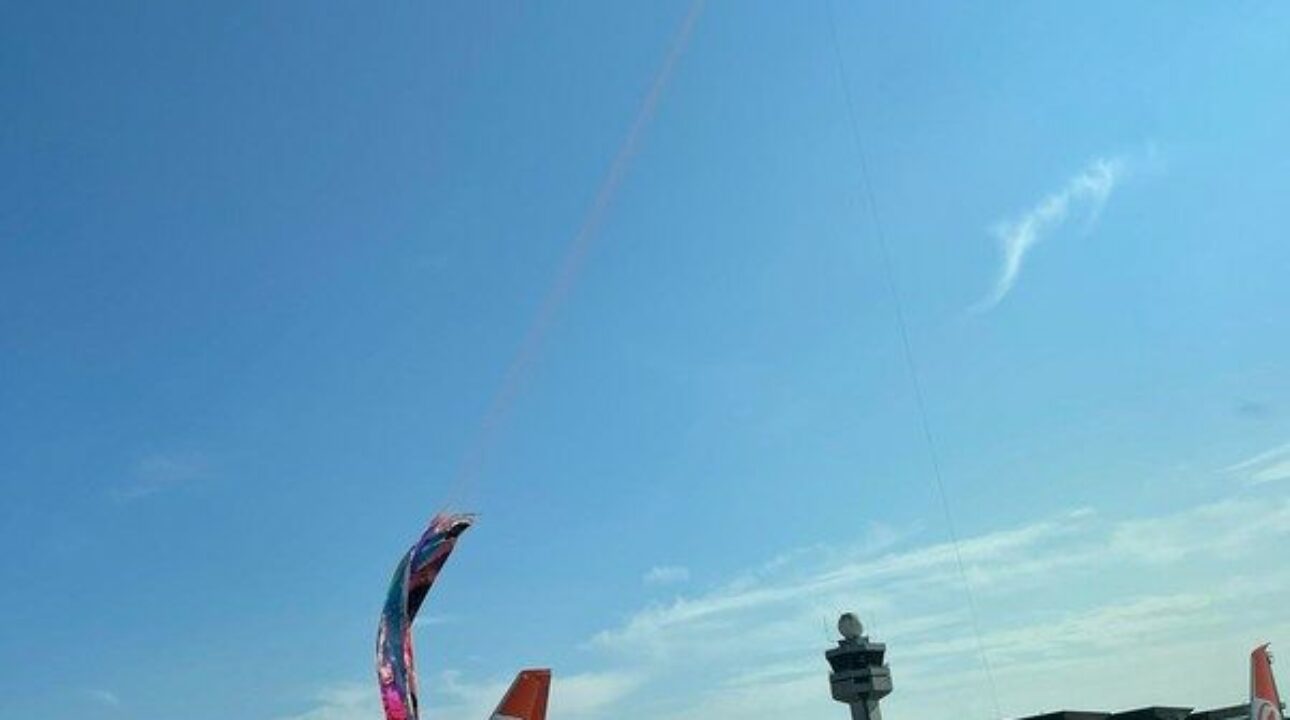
526	700
1265	703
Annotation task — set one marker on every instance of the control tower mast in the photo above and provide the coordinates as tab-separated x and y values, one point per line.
859	677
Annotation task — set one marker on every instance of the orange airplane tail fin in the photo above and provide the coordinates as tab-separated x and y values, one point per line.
1265	703
526	700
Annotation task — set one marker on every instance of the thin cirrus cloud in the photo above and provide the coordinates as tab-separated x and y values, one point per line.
1268	466
746	643
666	575
159	472
1083	194
107	698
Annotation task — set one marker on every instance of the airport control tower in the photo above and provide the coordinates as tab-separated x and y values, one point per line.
859	677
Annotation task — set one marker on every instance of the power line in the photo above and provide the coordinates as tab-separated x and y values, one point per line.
911	365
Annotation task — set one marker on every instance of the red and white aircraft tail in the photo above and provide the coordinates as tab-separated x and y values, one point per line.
526	700
1265	703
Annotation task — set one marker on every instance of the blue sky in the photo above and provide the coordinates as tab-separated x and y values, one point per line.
263	268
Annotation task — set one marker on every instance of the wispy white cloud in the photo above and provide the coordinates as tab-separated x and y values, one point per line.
591	694
160	471
343	701
1225	530
824	574
1276	471
429	620
666	575
106	698
1085	193
758	644
1265	467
